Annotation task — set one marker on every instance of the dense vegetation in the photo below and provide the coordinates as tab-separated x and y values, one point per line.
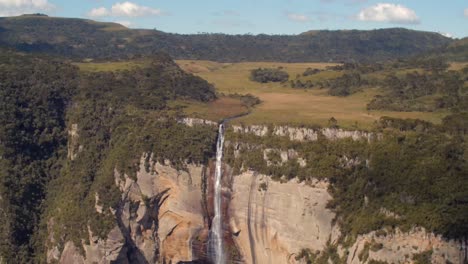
412	91
79	38
347	84
417	84
268	75
117	116
417	170
456	51
34	94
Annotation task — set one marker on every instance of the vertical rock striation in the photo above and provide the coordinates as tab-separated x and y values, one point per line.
274	221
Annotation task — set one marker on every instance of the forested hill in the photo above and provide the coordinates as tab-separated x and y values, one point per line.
80	38
39	97
457	50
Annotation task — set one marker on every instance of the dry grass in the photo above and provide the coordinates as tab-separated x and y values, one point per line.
456	66
316	107
234	77
280	103
284	105
220	109
110	66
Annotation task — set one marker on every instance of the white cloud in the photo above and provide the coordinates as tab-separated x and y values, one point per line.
129	9
446	34
98	12
18	7
465	12
297	17
386	12
125	9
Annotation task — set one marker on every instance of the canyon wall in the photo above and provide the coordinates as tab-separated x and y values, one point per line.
159	215
274	221
164	216
304	133
401	247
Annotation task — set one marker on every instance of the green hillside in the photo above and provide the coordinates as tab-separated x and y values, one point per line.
457	50
79	38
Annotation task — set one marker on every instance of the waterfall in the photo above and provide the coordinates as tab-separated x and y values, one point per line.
216	233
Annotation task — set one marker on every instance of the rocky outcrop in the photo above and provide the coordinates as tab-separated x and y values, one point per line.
400	247
260	131
176	217
136	221
296	133
73	146
71	254
111	249
284	156
180	213
306	134
159	215
197	121
293	133
273	221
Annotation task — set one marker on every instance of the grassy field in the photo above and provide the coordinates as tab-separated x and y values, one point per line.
280	103
284	105
232	78
220	109
455	66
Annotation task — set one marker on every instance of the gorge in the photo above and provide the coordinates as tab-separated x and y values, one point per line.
112	152
269	221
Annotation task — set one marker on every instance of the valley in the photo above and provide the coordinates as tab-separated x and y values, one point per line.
336	147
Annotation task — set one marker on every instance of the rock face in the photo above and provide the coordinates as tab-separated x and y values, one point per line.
71	254
164	213
260	131
306	134
197	121
274	221
112	249
73	148
160	213
161	217
399	247
180	214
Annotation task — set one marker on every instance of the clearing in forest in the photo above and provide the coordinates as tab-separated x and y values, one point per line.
282	104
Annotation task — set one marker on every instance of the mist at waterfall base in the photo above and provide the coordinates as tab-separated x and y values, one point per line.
215	245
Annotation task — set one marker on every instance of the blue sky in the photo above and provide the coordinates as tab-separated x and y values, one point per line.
258	16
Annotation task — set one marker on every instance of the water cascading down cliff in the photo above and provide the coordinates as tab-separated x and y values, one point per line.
216	250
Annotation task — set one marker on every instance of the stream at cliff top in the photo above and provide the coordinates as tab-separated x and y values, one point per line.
216	249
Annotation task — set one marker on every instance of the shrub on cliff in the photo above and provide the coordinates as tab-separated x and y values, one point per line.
417	171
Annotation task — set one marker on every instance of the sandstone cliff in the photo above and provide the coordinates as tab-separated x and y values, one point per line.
164	215
160	213
274	221
401	247
305	134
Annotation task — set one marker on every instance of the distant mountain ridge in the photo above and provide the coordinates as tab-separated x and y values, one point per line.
82	38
